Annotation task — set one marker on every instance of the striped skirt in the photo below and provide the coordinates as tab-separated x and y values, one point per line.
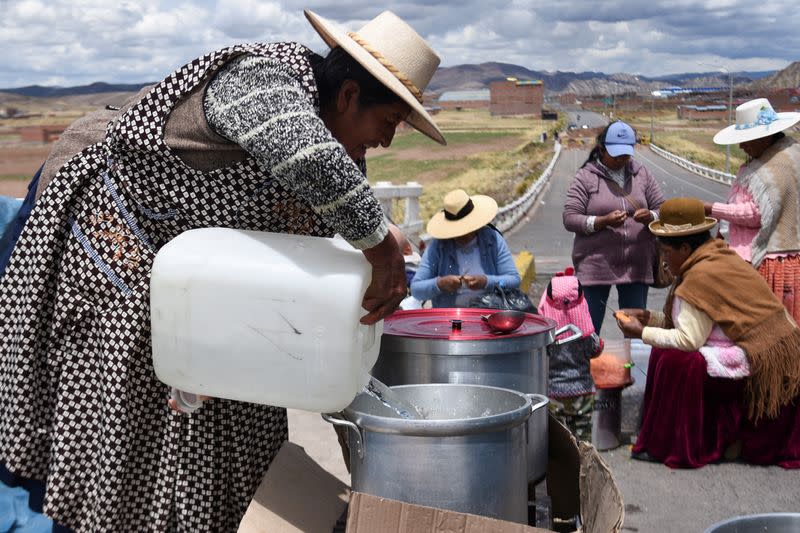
783	276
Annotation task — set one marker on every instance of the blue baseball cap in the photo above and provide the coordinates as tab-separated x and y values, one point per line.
620	139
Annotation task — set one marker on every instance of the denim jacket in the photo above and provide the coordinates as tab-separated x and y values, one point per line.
440	260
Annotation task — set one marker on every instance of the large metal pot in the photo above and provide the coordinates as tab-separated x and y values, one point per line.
468	454
457	346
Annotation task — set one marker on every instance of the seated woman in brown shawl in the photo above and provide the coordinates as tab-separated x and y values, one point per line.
724	373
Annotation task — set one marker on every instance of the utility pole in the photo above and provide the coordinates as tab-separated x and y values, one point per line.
652	114
730	121
723	68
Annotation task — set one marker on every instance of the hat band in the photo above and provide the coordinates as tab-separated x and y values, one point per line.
464	211
765	117
385	62
678	227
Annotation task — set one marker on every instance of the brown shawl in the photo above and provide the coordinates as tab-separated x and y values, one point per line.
717	281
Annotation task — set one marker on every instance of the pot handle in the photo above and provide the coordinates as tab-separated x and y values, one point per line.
336	421
576	334
539	401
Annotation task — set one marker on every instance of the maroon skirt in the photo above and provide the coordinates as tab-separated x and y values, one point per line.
689	418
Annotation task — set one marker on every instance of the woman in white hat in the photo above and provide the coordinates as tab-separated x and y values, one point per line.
467	255
267	137
763	207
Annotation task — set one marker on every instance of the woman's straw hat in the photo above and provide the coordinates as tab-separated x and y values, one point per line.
755	119
681	216
462	214
395	54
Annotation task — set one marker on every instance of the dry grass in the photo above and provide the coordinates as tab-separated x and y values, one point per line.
496	156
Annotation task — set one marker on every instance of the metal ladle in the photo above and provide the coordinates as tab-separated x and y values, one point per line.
504	321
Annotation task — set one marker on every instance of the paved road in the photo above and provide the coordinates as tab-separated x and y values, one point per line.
657	498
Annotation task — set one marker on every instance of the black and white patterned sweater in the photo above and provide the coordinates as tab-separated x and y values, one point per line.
259	104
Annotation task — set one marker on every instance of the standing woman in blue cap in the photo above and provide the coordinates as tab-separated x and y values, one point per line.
611	201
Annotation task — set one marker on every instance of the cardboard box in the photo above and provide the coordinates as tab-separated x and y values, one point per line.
299	496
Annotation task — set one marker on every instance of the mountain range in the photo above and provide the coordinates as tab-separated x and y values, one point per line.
479	76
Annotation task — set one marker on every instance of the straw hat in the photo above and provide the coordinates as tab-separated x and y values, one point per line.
395	54
462	214
755	119
681	216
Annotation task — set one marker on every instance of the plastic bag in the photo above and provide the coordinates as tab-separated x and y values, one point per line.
500	298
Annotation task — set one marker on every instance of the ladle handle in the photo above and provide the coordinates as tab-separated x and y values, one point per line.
336	421
577	334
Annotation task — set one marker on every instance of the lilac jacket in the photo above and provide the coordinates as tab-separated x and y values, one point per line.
611	256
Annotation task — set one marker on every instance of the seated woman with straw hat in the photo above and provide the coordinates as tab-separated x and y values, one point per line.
724	373
467	255
763	207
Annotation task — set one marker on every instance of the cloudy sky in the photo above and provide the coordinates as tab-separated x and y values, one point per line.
74	42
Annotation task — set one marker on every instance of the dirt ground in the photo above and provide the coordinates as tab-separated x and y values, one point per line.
431	153
18	164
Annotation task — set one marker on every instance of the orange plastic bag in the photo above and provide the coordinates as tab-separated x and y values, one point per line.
612	368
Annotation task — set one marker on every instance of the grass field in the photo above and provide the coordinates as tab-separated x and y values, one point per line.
690	139
497	156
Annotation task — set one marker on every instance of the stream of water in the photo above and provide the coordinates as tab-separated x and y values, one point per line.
378	391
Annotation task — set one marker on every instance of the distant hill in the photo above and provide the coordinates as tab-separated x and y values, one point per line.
479	76
786	78
38	91
468	77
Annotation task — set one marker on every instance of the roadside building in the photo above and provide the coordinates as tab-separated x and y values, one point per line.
783	100
702	112
478	99
568	99
515	97
41	133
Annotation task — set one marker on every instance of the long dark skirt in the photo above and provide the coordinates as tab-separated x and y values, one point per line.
690	418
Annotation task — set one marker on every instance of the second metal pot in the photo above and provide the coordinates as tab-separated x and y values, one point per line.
467	455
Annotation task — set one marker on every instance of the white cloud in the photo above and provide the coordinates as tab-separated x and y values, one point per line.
80	41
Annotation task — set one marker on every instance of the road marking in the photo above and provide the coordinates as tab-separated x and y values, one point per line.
667	172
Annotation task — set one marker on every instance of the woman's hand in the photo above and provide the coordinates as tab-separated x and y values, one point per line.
613	219
643	216
708	208
642	315
389	285
475	282
630	326
448	284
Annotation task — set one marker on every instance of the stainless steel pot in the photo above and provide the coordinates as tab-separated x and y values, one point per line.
467	455
456	346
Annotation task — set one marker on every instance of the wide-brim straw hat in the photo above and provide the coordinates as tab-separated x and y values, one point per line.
681	216
755	119
462	214
395	54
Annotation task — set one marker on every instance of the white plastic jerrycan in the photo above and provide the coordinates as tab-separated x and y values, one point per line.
268	318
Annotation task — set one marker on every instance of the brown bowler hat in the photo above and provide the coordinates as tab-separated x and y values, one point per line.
681	216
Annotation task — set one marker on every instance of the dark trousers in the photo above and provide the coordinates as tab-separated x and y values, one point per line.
630	295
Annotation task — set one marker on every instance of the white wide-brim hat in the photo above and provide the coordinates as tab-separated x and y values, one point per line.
462	214
395	54
755	119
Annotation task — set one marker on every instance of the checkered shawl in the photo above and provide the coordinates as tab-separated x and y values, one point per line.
80	405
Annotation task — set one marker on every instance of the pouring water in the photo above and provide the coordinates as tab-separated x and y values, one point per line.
381	392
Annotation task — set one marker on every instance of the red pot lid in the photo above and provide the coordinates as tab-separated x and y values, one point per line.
438	323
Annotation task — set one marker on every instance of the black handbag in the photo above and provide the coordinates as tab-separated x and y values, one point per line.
500	298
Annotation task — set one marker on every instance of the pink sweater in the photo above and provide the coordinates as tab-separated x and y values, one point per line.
744	220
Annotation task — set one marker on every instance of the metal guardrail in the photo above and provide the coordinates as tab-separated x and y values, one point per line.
510	214
507	216
387	194
700	170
